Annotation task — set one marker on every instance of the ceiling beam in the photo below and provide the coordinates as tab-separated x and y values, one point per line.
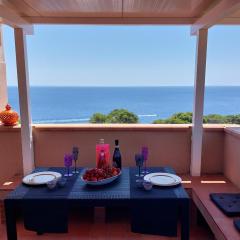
230	21
221	10
111	20
12	18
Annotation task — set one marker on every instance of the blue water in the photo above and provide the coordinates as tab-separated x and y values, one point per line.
77	104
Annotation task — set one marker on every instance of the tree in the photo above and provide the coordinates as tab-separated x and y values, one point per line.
159	121
214	118
115	116
122	116
186	117
182	117
177	118
235	119
98	118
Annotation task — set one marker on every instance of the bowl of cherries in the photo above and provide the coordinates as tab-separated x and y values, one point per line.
100	176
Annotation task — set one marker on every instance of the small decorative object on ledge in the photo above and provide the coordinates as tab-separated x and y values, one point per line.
9	117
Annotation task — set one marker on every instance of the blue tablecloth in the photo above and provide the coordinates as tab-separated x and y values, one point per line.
45	210
156	211
153	212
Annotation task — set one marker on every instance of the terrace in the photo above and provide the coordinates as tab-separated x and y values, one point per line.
206	156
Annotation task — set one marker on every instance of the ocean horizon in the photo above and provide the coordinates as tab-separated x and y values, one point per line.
60	104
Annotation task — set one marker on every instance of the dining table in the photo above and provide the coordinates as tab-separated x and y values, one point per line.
157	211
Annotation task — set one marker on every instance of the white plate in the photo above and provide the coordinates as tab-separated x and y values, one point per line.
40	178
163	179
101	182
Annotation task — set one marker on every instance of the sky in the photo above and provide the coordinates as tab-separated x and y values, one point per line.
74	55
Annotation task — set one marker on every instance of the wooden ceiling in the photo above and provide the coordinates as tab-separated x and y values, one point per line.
119	11
112	8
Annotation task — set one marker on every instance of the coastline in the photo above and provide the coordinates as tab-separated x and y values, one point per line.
75	104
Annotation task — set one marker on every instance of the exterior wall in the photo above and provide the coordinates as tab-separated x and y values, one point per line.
213	149
10	153
168	145
232	155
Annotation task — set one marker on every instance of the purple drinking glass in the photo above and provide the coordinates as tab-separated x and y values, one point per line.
145	157
68	158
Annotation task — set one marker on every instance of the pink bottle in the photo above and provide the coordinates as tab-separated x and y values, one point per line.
102	154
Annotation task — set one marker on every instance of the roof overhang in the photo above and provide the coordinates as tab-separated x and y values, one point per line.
198	13
13	18
219	12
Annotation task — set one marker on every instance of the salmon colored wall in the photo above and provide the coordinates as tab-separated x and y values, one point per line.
213	150
10	153
232	156
169	145
166	146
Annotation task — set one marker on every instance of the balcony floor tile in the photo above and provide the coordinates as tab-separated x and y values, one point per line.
114	230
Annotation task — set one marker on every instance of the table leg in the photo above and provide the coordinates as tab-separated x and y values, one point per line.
99	214
11	224
185	221
155	217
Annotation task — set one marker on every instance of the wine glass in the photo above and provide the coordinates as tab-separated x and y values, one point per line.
139	163
145	157
68	163
75	152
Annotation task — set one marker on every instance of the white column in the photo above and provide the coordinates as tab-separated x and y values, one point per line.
24	101
3	78
199	87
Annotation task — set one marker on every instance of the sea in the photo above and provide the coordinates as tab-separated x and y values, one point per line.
77	104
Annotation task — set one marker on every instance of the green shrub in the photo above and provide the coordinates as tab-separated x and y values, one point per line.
98	118
124	116
235	119
182	117
159	121
214	118
177	118
115	116
186	117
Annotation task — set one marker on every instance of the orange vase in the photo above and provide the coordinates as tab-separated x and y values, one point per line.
9	117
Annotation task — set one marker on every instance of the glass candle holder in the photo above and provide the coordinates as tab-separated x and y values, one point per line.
62	182
147	185
139	163
139	182
75	152
52	184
